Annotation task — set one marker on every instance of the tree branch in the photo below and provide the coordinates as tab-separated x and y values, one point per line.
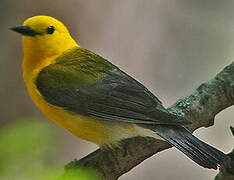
201	107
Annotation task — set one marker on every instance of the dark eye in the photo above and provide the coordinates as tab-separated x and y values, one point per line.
50	30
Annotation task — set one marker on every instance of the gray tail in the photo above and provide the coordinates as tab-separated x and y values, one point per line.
200	152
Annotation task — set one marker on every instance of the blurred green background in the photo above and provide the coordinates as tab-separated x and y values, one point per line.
169	46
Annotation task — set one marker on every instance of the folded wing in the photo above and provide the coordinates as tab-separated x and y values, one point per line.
87	84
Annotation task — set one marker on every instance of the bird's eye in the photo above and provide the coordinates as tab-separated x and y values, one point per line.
50	30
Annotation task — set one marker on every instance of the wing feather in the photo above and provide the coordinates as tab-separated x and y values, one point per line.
87	84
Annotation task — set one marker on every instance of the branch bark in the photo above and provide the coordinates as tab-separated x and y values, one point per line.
201	107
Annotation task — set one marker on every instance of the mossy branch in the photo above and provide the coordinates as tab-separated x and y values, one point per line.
201	107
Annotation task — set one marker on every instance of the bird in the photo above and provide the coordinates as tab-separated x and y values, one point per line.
95	100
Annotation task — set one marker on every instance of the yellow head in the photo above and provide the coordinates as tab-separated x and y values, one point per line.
44	37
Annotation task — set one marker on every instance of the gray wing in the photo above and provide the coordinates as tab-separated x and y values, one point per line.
109	94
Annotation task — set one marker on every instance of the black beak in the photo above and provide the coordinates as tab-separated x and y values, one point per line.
25	30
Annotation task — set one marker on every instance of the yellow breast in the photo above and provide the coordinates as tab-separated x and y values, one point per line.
84	127
88	128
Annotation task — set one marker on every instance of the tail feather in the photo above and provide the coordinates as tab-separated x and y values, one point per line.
200	152
194	154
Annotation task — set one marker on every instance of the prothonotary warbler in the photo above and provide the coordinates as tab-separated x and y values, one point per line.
93	99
